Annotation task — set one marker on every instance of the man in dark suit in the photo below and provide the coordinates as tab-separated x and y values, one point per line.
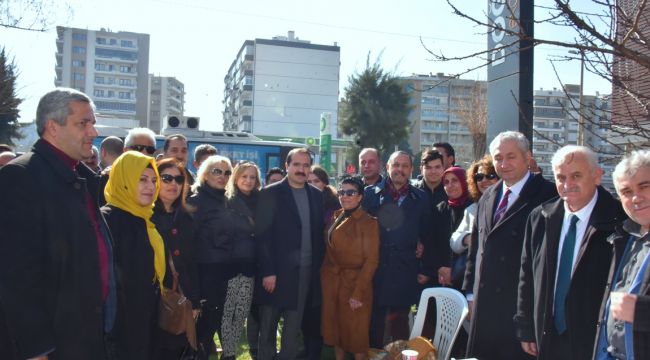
562	276
624	331
492	273
404	217
289	231
57	287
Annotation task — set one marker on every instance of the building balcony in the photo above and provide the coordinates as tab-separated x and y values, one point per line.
115	46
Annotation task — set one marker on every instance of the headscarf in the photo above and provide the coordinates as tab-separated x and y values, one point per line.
122	191
462	178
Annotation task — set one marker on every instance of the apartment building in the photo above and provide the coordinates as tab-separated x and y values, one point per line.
166	98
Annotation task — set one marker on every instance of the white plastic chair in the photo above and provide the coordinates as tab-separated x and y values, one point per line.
451	311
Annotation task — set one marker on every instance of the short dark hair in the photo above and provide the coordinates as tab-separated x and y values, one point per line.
447	146
113	145
173	137
272	171
204	150
353	180
429	155
299	151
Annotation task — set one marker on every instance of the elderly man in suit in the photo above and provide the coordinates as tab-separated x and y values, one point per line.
562	276
624	331
289	231
492	273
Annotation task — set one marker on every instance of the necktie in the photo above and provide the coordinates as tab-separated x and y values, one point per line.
501	209
564	276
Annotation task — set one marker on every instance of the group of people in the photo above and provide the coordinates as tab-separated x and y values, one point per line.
550	270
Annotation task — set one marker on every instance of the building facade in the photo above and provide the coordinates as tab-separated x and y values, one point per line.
166	98
556	116
280	88
111	67
440	112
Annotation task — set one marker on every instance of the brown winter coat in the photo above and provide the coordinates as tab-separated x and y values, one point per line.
350	261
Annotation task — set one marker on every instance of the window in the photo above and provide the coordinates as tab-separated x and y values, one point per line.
100	66
99	79
78	63
125	82
99	93
539	124
78	50
111	93
124	95
125	69
113	42
78	76
126	43
430	100
107	105
120	54
100	40
80	37
427	113
248	80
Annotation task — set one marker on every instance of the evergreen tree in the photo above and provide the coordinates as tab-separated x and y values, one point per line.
9	101
375	110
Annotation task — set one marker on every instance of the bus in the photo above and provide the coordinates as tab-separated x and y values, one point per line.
237	146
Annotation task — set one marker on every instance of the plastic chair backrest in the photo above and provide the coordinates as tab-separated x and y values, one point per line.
451	311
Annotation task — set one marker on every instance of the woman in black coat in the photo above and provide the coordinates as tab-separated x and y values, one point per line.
139	252
212	245
175	225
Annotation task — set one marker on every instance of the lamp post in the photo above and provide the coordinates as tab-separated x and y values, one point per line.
581	126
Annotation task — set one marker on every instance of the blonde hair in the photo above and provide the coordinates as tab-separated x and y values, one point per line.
205	166
238	171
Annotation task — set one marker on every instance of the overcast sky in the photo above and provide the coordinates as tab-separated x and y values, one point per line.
196	41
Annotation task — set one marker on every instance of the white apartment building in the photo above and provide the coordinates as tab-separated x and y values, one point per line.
278	88
111	67
166	98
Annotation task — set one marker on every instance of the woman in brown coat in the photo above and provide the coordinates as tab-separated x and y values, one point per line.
350	261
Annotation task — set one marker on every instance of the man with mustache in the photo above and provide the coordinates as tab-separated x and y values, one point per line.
404	216
563	275
289	233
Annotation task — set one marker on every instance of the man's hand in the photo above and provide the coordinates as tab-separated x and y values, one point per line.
529	347
622	306
355	304
444	275
419	250
268	282
422	279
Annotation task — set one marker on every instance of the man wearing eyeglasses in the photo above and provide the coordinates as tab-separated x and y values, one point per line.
404	216
289	232
563	272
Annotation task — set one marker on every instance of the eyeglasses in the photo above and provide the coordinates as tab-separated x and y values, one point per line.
219	172
478	177
167	178
349	192
149	149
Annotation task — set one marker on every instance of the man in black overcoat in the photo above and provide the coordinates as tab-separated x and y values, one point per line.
57	287
492	273
289	233
563	272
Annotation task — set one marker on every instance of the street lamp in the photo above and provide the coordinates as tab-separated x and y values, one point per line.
581	126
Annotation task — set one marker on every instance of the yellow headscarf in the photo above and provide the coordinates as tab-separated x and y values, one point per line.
122	191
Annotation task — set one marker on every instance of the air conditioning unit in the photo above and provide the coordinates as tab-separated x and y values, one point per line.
182	122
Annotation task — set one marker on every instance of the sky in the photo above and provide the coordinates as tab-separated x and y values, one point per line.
196	41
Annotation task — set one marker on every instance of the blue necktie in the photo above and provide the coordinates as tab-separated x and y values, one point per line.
564	276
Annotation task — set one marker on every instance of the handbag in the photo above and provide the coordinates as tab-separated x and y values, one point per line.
175	310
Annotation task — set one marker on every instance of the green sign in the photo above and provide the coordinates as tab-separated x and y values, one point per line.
326	141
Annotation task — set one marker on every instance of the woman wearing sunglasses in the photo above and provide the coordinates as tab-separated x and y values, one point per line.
350	261
130	193
211	245
174	224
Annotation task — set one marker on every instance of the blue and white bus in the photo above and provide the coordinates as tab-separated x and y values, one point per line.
236	146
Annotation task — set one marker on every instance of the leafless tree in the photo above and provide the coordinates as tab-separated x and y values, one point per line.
472	112
33	15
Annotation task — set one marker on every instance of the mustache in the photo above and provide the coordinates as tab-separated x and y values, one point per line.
301	174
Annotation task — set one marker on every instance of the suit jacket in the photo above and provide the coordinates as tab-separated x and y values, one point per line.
278	235
641	326
401	227
493	269
539	260
50	285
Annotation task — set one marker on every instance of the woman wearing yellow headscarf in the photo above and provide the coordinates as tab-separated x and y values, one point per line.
131	191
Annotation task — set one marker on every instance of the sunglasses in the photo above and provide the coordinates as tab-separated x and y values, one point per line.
219	172
480	176
167	178
349	192
149	149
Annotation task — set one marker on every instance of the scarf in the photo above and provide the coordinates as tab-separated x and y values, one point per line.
396	194
462	178
121	192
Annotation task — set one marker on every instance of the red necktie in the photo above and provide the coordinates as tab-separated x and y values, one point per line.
501	209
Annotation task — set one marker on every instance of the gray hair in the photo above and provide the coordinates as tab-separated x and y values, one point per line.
566	153
630	164
516	136
55	105
202	173
397	153
136	132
